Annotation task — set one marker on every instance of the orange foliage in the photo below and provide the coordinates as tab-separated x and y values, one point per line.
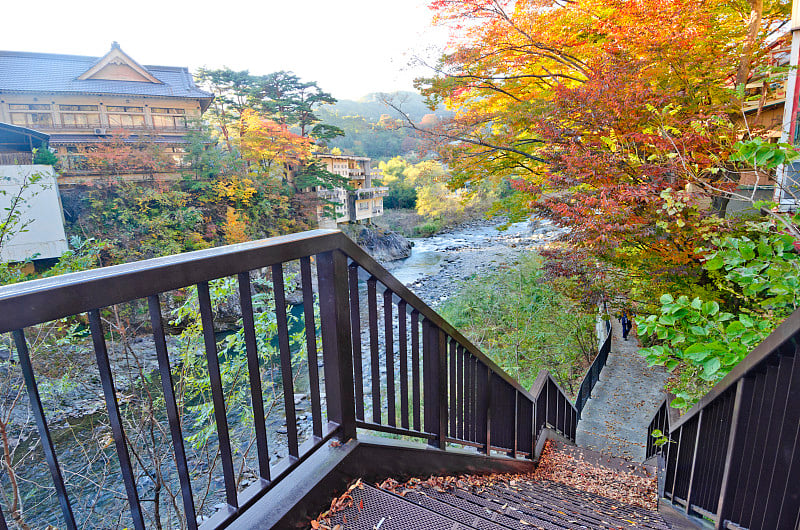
592	108
123	153
235	228
271	143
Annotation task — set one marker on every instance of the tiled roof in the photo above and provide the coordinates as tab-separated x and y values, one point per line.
7	131
59	139
48	72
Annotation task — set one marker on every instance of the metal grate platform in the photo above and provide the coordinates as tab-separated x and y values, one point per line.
526	505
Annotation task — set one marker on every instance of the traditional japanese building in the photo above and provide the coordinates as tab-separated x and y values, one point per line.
85	101
763	116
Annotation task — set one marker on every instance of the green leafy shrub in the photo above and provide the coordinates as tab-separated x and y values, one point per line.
758	278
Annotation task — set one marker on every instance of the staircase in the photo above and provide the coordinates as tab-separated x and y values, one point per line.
597	484
417	400
624	400
542	499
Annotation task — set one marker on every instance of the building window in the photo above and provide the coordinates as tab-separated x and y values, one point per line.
138	110
166	118
125	116
32	106
164	110
78	108
31	119
80	115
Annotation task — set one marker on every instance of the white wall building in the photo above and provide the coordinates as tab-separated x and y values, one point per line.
366	199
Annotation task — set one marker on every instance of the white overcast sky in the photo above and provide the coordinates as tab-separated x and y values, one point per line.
350	47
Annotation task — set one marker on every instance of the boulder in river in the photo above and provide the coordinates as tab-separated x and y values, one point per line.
383	245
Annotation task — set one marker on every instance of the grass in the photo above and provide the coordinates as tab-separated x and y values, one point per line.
519	320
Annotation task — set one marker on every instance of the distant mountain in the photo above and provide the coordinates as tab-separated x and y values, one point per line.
366	134
372	106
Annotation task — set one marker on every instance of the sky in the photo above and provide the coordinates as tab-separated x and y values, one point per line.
350	47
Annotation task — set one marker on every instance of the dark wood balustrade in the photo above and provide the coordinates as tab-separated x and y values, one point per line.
438	386
16	158
734	457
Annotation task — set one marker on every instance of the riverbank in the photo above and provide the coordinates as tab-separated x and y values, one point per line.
439	264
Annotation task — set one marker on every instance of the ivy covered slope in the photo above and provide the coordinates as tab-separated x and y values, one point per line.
758	281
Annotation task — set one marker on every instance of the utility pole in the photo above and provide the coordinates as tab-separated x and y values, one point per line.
781	195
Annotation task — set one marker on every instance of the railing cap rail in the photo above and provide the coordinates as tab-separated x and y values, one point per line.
539	382
785	332
36	301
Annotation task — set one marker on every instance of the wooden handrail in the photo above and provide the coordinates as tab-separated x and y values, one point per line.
468	399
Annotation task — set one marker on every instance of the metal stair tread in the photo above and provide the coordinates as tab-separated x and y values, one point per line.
589	505
526	504
373	508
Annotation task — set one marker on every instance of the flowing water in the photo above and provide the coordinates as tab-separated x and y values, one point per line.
428	254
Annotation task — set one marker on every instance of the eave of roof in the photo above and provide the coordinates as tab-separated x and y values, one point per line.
24	131
766	105
63	139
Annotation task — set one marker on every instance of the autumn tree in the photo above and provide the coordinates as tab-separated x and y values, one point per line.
592	109
272	119
123	153
280	96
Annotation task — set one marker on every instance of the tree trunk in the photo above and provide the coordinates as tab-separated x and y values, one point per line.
753	27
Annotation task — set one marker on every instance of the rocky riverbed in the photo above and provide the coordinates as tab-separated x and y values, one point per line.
439	265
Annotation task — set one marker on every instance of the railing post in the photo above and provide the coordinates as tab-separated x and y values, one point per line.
441	373
533	428
434	380
694	463
677	463
488	405
337	350
733	456
430	380
516	425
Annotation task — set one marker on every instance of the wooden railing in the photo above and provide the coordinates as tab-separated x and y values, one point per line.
17	158
734	458
422	379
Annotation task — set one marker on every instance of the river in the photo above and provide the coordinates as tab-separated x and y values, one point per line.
438	265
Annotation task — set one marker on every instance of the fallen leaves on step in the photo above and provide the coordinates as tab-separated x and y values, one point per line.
616	484
323	520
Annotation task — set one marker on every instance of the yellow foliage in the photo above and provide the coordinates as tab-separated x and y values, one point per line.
434	200
235	189
235	228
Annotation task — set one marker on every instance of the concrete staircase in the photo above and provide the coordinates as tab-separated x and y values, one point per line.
625	399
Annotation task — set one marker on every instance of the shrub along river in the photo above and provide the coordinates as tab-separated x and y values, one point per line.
79	422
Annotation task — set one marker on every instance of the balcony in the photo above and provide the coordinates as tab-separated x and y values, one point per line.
16	158
336	194
109	130
371	193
